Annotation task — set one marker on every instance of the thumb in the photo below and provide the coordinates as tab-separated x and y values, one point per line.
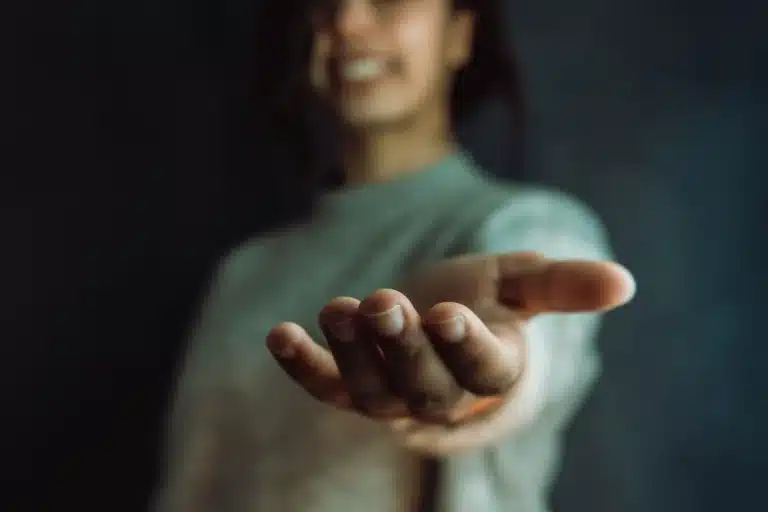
534	284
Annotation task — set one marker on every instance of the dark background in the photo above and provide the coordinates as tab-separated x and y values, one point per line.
115	206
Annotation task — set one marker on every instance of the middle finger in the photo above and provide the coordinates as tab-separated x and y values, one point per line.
414	369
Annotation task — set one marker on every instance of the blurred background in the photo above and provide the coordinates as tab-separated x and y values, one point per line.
114	191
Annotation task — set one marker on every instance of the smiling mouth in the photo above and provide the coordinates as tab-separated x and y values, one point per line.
361	71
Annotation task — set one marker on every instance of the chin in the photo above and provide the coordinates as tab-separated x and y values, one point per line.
373	116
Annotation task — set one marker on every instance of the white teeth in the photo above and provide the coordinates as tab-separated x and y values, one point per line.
362	69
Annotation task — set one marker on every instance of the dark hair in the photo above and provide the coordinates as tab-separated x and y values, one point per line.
286	119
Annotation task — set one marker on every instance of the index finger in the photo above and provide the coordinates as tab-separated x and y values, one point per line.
541	285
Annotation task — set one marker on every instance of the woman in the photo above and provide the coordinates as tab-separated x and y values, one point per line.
432	286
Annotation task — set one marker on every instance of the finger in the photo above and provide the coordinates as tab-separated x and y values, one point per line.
307	363
358	359
534	284
413	368
484	360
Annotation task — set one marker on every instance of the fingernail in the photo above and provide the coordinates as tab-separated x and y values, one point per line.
281	347
629	279
343	331
452	330
390	322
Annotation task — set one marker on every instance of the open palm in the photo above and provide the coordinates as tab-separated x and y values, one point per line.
451	337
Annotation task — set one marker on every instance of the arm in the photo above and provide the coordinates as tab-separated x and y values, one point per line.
477	325
562	360
191	463
203	431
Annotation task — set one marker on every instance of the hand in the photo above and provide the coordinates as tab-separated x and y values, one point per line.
453	337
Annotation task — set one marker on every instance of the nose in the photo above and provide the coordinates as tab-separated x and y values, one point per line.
354	18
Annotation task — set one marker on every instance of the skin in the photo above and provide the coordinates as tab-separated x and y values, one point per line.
423	365
450	347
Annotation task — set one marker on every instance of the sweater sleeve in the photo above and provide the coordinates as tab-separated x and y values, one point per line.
201	427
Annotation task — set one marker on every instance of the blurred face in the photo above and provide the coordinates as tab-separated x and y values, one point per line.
381	62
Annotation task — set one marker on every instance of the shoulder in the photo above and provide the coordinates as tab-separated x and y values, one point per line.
242	263
540	219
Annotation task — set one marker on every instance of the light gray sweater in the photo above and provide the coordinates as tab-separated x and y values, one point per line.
244	438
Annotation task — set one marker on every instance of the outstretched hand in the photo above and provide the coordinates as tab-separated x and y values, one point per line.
453	336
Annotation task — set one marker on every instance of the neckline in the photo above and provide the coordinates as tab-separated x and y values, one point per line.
451	171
